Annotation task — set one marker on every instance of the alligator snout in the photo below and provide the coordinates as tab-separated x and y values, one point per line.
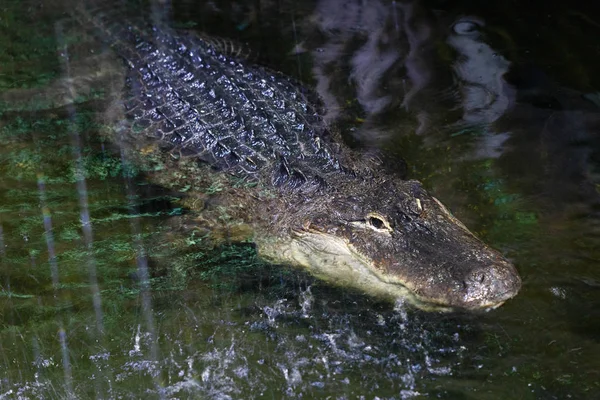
490	286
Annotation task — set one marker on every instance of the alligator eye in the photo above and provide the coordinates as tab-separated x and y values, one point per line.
378	222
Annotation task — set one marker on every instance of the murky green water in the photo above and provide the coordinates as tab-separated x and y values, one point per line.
80	225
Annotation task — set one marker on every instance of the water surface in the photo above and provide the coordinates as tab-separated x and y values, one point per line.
108	291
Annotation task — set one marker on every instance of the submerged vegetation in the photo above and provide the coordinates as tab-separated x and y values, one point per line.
25	160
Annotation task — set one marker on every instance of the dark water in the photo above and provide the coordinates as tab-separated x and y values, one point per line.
493	105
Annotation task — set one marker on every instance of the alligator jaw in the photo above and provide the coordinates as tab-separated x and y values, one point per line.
475	298
332	259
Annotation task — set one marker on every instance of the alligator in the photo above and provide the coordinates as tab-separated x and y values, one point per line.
331	210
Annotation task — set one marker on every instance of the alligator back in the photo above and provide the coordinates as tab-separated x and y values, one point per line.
203	102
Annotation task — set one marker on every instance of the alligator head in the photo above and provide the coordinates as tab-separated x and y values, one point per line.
392	239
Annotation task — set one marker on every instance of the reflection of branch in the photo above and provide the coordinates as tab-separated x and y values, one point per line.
416	69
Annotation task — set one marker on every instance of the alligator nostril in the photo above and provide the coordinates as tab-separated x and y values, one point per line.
476	277
491	285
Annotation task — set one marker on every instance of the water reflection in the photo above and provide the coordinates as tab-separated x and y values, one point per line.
381	55
415	71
